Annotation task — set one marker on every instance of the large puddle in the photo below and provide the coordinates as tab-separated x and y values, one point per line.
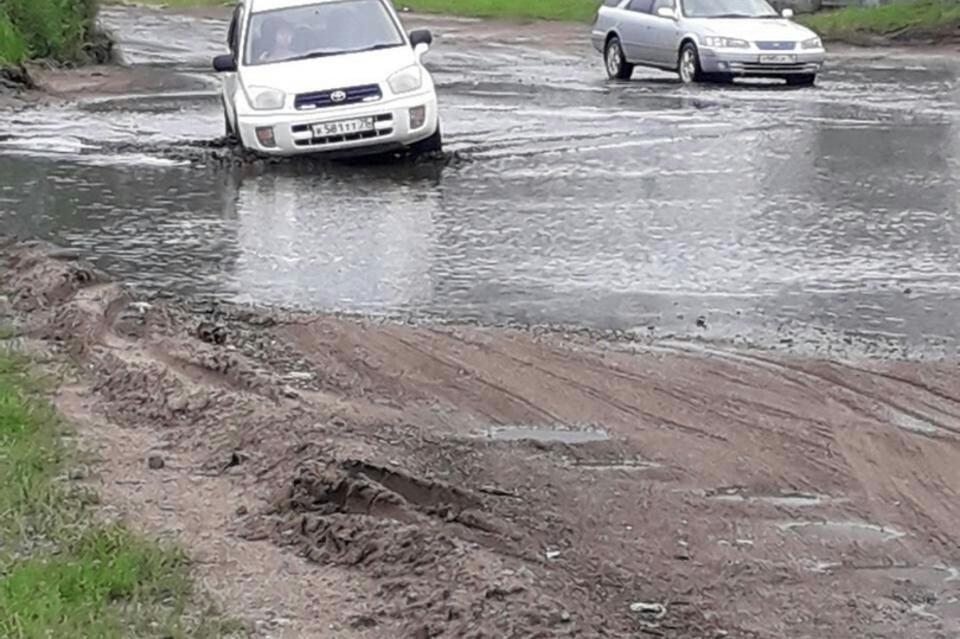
786	218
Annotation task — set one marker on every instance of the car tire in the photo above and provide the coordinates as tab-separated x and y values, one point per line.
433	144
615	62
719	78
228	129
806	80
688	64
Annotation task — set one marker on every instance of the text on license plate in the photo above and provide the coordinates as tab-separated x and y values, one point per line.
778	59
342	127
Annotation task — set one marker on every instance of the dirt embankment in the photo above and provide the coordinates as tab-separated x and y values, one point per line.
350	478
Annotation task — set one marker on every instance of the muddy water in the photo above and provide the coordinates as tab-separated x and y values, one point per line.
794	218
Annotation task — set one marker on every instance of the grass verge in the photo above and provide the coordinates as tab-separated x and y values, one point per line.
62	30
929	20
62	574
567	10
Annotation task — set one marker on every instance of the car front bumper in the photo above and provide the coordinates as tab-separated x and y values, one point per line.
750	64
293	132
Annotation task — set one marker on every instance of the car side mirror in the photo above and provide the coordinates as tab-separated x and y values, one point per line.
421	37
226	63
787	13
667	12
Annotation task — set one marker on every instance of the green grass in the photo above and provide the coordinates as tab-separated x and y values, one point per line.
62	574
568	10
55	29
920	19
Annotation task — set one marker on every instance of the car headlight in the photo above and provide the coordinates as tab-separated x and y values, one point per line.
266	99
406	80
813	43
715	42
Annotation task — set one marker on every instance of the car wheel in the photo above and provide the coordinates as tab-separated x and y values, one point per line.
617	66
433	144
720	78
806	80
689	64
227	126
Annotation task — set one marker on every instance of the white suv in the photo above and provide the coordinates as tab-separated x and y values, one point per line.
320	76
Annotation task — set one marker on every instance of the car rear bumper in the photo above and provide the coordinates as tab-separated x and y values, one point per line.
749	63
294	135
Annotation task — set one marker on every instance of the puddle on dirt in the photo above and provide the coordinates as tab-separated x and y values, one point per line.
546	436
796	500
844	530
914	424
628	465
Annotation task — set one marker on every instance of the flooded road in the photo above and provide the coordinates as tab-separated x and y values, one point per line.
817	219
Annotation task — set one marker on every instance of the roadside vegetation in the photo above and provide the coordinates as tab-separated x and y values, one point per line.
919	20
62	574
568	10
62	30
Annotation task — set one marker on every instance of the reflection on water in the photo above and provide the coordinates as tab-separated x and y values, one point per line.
717	212
328	243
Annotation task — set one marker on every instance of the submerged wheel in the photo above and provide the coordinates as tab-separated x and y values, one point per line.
228	128
689	64
805	80
617	66
433	144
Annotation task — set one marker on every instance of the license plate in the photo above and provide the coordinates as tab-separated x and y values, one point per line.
778	59
342	127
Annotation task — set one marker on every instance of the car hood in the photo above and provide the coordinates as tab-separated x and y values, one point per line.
753	29
333	72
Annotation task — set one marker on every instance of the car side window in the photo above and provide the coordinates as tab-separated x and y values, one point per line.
641	6
660	4
612	3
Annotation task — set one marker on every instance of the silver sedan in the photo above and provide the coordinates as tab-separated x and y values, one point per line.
706	40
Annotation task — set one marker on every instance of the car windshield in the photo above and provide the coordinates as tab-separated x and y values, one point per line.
316	30
728	9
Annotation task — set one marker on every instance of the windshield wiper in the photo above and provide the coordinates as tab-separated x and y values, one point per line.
733	15
316	54
376	47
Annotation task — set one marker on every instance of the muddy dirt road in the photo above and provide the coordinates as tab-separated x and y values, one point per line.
348	478
798	219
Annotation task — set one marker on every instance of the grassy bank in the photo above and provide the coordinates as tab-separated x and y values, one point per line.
569	10
929	20
57	29
61	573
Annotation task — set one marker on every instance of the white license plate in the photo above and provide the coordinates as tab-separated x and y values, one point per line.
342	127
778	59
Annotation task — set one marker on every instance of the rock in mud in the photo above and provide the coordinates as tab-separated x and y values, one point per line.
15	78
156	462
210	333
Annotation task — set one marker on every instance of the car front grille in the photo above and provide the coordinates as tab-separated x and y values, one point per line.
349	95
755	68
776	45
303	133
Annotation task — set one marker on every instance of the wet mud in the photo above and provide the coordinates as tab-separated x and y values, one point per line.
732	493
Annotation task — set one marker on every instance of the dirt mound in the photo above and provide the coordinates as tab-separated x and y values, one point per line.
419	538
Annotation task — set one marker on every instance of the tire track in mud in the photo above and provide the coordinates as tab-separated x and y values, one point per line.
799	372
456	366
